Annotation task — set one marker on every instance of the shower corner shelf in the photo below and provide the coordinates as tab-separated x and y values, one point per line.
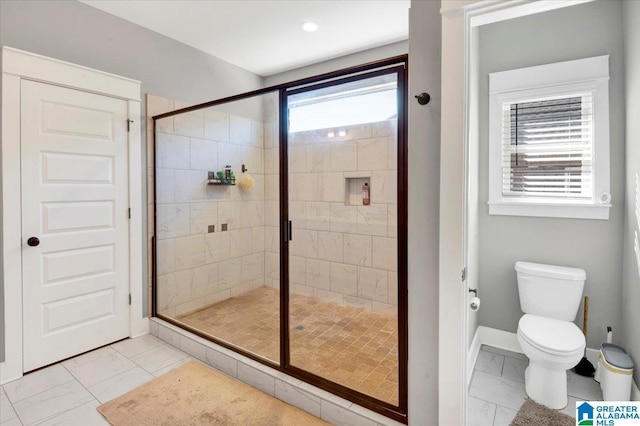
220	179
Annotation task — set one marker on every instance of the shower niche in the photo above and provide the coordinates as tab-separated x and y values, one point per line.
308	275
354	194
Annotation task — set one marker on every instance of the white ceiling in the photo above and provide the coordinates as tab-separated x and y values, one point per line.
265	36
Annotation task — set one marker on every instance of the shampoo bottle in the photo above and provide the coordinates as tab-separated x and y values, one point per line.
365	195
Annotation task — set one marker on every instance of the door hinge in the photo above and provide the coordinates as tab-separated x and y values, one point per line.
129	212
129	125
129	298
464	274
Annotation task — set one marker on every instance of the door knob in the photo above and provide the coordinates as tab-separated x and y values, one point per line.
33	241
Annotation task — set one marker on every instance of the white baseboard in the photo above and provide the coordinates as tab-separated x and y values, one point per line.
472	355
491	337
592	356
499	339
509	341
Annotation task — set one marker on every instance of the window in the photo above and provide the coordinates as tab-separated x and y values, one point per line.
549	140
359	102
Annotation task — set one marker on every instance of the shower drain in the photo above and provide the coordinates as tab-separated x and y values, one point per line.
300	327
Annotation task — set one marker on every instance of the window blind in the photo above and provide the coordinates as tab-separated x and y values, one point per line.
547	147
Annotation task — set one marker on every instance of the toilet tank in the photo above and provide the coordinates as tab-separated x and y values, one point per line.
550	291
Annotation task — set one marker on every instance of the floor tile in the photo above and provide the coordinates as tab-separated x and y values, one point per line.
12	422
173	366
489	363
486	387
158	358
584	388
37	382
96	366
480	413
120	384
504	416
513	369
132	347
503	352
6	410
498	390
339	416
50	403
85	415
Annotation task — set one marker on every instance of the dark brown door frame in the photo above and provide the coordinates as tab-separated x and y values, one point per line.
399	66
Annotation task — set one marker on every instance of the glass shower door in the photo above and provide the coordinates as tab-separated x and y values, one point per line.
342	153
217	216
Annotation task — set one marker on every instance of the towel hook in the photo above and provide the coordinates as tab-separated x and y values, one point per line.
423	98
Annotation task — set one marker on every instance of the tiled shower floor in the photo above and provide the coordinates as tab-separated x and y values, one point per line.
351	346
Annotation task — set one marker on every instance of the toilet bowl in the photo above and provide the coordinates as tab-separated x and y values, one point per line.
549	296
552	346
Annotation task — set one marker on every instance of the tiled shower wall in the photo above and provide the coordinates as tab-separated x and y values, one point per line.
340	252
195	267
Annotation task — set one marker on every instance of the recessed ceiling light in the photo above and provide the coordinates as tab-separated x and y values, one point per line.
309	26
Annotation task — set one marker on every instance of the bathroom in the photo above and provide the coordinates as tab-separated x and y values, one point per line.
498	240
434	385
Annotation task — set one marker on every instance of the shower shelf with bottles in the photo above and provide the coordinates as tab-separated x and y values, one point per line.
225	177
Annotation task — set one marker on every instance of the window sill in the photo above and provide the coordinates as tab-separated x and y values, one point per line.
567	211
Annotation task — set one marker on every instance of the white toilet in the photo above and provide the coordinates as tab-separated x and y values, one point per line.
549	297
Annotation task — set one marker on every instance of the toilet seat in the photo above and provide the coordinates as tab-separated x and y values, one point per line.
552	336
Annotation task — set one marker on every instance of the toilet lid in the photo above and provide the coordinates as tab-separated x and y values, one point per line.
551	334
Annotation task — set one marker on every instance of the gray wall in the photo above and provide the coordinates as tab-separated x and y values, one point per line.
83	35
575	32
423	210
631	273
382	52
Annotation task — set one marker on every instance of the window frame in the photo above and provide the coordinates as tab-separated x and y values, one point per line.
561	78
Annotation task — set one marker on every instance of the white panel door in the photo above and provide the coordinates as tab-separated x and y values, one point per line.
75	203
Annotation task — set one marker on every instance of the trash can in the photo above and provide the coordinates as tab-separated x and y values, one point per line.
614	372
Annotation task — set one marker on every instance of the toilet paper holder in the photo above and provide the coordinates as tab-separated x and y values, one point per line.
475	301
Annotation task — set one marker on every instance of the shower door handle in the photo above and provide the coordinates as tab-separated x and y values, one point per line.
289	231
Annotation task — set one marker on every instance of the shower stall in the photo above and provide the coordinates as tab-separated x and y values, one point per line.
280	229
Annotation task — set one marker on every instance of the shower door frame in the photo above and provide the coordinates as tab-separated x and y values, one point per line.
395	65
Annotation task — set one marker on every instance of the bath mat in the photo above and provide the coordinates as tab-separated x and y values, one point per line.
534	414
194	394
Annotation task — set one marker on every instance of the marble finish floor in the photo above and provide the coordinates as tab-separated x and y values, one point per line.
355	347
67	393
496	391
